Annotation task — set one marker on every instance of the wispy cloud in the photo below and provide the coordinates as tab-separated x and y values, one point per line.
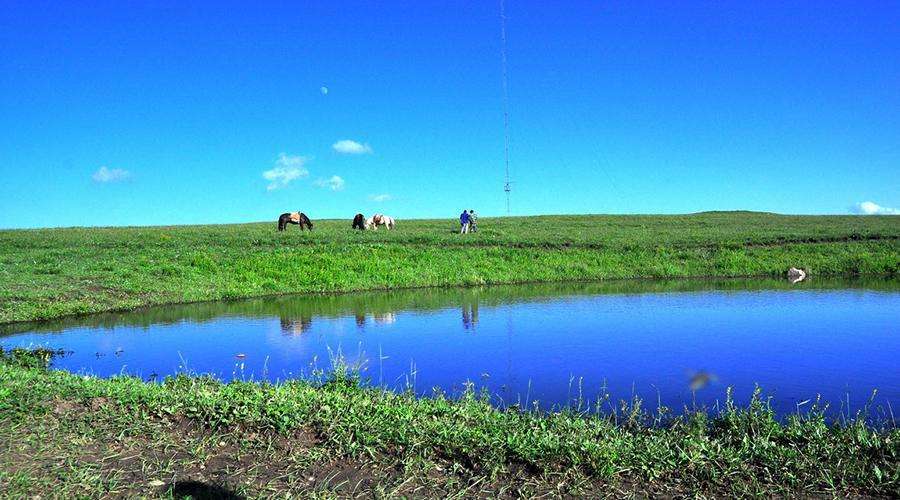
335	183
871	208
287	169
348	147
110	175
380	197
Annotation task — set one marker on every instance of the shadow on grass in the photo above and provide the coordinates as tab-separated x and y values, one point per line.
201	491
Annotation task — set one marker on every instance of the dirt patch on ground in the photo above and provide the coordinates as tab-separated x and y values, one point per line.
97	448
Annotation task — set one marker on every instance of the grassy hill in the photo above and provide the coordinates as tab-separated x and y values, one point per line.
71	435
47	273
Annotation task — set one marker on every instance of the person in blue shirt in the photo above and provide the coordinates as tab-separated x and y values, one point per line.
464	222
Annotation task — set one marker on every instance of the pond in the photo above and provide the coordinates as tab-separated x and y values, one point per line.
675	343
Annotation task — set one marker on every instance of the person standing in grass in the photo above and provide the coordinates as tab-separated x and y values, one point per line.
473	222
464	222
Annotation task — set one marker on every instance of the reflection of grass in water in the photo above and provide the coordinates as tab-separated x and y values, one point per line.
297	312
740	450
79	270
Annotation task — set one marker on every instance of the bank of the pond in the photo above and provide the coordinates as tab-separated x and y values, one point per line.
51	273
65	434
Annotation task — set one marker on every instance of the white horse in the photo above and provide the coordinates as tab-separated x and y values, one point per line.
380	220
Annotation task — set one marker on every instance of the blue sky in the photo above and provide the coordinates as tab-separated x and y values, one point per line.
114	113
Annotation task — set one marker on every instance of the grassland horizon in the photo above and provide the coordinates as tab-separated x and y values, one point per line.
481	217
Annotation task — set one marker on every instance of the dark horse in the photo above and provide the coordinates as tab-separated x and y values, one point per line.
359	222
299	218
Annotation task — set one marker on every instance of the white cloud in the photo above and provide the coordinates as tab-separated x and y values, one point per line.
110	175
870	208
380	197
335	183
287	168
348	147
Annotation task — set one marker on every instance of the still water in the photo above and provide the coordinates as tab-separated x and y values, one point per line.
672	342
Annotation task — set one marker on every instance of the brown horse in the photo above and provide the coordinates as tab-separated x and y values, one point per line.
298	218
359	222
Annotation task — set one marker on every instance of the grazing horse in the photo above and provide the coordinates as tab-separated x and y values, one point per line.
298	218
359	222
380	220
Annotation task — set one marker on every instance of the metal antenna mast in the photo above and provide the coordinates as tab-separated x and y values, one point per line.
506	186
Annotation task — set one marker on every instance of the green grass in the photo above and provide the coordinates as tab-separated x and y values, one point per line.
63	434
49	273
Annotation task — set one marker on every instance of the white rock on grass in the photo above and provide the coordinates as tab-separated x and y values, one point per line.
796	275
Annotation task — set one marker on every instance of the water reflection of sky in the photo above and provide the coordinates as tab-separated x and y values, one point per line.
526	344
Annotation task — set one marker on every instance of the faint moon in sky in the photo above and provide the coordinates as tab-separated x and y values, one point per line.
324	90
